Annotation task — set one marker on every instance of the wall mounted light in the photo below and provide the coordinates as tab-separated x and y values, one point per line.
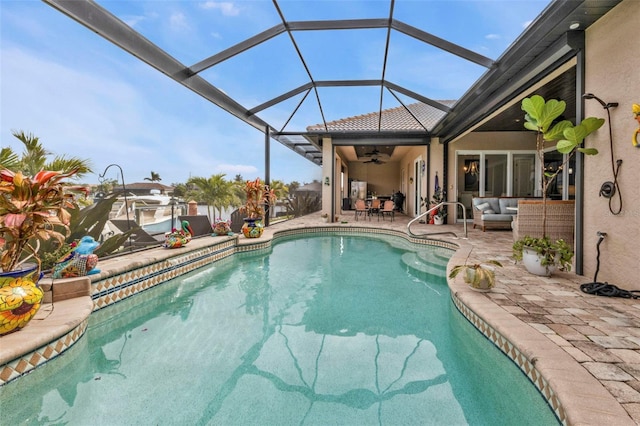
472	169
326	181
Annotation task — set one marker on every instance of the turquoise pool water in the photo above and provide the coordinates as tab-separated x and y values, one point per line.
326	330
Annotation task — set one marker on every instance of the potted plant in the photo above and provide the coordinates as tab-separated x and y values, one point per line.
439	214
258	196
542	256
541	118
325	217
222	227
32	210
479	277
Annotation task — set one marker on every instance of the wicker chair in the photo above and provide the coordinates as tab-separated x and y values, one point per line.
560	220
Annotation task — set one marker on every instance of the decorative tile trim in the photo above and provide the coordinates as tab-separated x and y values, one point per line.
516	356
121	286
28	362
342	230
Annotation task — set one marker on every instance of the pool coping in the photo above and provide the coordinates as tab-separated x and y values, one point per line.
575	396
573	393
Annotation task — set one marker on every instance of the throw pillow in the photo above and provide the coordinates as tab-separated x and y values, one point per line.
482	207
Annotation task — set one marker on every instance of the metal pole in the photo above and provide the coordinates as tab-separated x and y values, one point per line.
124	191
267	170
172	202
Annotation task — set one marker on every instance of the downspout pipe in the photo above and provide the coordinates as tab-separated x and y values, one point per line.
579	182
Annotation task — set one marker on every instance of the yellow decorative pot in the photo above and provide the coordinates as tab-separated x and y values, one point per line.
252	228
20	298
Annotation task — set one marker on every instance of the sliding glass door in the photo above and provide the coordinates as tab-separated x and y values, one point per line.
497	174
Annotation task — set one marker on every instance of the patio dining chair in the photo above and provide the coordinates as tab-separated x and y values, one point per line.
361	208
375	207
388	209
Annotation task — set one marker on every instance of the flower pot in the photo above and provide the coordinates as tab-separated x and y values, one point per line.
533	263
438	220
252	228
20	297
221	228
483	285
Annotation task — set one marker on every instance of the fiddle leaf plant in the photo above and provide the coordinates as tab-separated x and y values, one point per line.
542	117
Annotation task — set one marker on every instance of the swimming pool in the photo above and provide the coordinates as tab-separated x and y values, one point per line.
321	330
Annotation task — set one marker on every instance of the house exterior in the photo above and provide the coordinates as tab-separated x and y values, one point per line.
606	65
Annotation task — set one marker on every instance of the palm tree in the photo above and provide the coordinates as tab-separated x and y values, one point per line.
280	189
215	191
155	177
35	158
293	186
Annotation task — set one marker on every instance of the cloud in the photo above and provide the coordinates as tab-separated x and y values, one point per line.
225	7
492	37
178	21
133	20
526	24
233	169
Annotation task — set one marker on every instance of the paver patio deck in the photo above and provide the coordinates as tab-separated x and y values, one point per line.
600	335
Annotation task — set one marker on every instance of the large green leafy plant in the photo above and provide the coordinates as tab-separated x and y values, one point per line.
32	210
542	117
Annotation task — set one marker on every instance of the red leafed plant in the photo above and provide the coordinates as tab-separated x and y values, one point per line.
258	196
33	209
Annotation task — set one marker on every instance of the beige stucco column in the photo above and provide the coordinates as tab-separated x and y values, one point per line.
328	178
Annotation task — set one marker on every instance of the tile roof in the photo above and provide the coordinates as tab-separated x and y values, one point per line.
392	119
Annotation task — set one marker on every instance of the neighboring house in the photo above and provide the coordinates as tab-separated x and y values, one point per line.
313	188
146	188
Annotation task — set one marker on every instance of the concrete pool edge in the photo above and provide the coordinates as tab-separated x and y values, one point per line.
572	392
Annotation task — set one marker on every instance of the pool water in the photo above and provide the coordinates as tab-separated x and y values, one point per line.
324	330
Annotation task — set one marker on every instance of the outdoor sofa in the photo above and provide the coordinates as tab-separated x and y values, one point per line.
494	212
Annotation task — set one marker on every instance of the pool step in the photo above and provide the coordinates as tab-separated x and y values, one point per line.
425	263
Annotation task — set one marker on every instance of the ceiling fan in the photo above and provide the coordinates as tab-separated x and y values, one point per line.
373	153
374	160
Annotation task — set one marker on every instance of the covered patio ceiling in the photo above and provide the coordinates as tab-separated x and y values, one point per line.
403	67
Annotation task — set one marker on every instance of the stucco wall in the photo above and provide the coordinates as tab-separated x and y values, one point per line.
407	164
613	74
381	178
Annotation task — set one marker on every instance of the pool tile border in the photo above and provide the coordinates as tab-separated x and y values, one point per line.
118	287
29	362
515	355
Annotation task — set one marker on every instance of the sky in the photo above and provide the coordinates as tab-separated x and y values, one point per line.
85	97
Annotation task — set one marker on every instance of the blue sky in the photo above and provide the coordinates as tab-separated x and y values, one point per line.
84	96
